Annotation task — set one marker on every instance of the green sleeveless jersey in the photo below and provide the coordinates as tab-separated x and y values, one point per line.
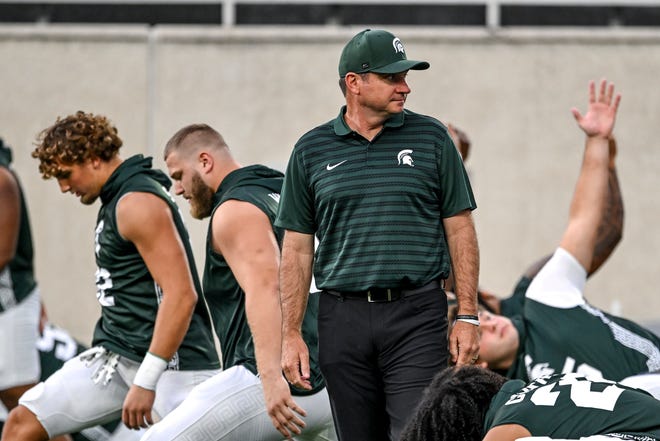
17	279
570	406
376	206
513	305
260	186
581	339
128	294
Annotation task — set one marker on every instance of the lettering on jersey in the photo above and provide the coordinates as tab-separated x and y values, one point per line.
275	197
518	397
537	370
103	278
543	369
580	389
544	396
582	394
583	369
97	234
103	284
58	341
173	364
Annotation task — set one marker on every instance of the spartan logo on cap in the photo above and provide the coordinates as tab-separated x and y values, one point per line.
405	157
398	46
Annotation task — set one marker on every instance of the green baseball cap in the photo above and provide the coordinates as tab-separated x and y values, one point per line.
376	51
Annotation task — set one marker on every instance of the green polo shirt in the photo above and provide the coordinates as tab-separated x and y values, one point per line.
376	206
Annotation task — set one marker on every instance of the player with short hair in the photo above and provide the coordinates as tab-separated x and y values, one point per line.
250	399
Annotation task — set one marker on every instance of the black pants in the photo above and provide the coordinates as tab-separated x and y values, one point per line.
377	359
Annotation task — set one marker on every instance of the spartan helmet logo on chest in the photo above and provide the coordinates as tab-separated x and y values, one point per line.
404	157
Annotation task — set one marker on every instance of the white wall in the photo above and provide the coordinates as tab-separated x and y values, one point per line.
262	88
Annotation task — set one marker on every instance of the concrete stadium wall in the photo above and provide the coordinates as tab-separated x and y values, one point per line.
262	88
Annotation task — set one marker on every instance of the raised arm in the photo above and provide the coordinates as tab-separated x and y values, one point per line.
146	220
610	230
589	197
295	280
244	236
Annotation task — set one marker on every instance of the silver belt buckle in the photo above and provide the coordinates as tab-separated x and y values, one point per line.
370	300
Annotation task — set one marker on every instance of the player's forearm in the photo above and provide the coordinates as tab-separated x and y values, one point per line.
264	317
172	322
589	197
464	252
610	230
588	202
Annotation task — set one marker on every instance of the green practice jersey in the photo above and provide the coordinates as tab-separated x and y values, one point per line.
513	305
561	333
259	186
17	279
376	207
571	406
128	294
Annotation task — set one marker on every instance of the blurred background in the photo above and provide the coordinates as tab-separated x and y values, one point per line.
264	72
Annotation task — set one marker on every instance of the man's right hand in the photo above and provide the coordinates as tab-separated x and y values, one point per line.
295	360
138	404
283	411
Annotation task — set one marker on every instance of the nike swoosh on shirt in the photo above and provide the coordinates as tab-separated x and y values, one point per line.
330	167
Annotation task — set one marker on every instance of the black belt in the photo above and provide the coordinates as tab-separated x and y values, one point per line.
378	295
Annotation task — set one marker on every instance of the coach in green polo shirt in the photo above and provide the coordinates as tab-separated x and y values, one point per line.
385	192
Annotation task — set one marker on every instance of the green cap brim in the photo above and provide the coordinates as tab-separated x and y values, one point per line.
401	66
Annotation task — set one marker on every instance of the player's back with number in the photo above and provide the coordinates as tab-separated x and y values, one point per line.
572	406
